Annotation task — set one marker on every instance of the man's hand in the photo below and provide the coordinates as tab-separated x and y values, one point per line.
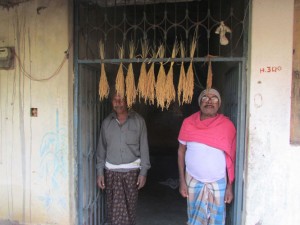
183	190
228	193
100	182
141	181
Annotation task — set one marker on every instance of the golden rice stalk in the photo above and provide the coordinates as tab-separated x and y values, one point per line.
182	76
209	76
150	89
130	83
161	81
142	84
189	85
120	80
170	93
103	83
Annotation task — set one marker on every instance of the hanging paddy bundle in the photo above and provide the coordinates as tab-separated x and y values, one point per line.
161	80
182	76
142	84
189	84
170	94
130	83
103	83
209	75
150	84
120	80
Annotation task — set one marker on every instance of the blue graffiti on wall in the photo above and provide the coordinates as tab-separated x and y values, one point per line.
53	165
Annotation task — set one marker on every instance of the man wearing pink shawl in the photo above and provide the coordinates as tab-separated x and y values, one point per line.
206	159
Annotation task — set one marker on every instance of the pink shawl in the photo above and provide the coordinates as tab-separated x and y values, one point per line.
218	132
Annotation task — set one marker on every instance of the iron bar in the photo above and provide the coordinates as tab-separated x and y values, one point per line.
166	60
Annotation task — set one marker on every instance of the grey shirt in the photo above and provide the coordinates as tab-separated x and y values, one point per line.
120	144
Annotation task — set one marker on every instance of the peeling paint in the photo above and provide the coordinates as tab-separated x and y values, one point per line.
258	100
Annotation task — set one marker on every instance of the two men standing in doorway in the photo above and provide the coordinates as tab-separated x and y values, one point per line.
206	158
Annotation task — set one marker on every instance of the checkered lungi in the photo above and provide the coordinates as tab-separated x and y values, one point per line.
121	197
205	202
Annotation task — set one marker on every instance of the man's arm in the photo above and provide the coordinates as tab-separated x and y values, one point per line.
181	165
101	157
228	191
230	179
144	149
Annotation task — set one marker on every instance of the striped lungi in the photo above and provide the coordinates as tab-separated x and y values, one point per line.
206	202
121	197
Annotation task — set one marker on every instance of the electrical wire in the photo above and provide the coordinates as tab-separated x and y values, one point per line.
56	72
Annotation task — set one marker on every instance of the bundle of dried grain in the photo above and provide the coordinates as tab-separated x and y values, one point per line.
182	76
130	82
189	84
120	80
161	80
209	75
150	89
170	94
103	83
142	84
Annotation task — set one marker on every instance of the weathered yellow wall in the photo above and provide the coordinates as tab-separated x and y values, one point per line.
272	163
36	185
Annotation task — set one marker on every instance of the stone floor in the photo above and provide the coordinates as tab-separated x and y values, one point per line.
160	204
159	201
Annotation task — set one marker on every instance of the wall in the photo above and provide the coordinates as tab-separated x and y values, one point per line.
272	184
36	161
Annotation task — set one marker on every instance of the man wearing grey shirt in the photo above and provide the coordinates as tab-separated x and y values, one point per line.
122	161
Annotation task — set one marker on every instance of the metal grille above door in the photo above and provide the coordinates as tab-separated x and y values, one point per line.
163	22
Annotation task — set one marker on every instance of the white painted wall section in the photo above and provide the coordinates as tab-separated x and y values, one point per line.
36	152
272	183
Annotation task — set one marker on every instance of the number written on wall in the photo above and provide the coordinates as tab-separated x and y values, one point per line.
270	69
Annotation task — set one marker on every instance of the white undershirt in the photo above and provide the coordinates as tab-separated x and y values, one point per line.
204	163
133	165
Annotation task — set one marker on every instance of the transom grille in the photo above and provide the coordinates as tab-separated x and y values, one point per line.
160	23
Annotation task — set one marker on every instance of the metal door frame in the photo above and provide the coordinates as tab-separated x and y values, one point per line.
241	124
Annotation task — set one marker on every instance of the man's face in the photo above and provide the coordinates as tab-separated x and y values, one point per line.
119	104
209	105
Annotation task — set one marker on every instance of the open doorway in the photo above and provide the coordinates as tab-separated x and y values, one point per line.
116	22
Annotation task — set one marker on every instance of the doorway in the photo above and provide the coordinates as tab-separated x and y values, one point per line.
117	22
